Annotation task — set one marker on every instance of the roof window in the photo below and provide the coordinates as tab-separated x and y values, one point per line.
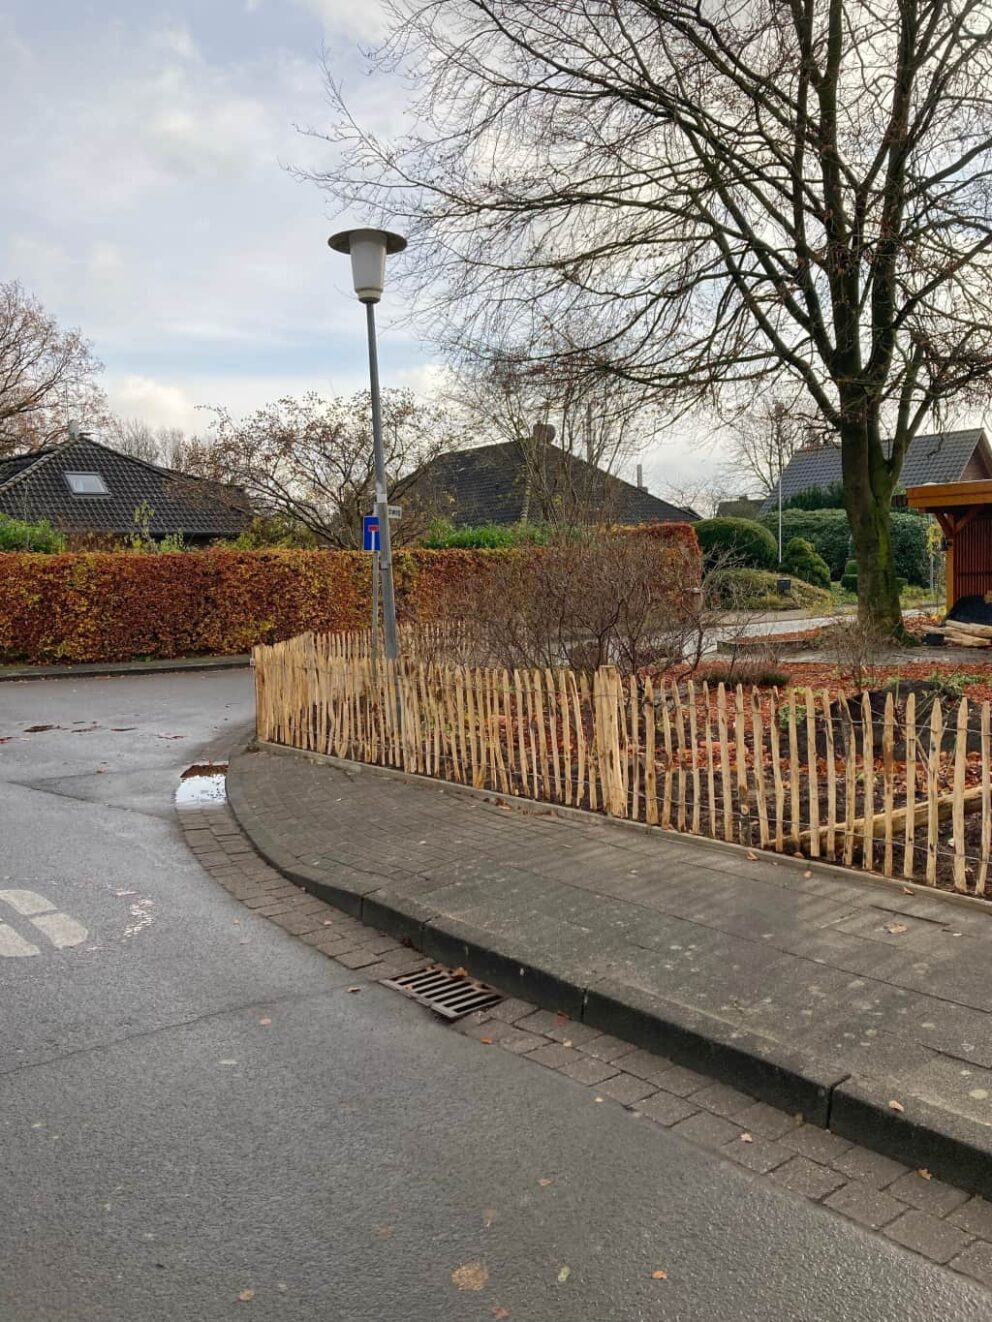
86	484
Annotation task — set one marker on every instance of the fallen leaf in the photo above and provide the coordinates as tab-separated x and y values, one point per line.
896	1106
544	1181
908	890
896	928
488	1217
751	858
747	1138
266	1022
808	872
564	1274
499	1312
354	989
659	1276
567	1042
384	1232
924	1174
486	1041
471	1276
246	1296
459	972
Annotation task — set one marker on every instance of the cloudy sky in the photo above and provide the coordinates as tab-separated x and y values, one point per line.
147	199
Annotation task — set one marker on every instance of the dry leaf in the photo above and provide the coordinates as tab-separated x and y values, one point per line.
459	972
896	928
924	1174
471	1276
808	872
544	1181
246	1296
751	858
384	1232
499	1312
488	1217
746	1138
659	1276
265	1022
486	1041
354	989
896	1106
908	890
564	1274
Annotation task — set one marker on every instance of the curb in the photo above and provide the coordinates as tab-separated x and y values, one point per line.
101	669
920	1134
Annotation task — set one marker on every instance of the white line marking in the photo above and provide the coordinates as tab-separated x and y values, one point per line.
12	944
60	929
26	902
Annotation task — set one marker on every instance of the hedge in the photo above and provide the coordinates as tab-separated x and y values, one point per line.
745	540
803	560
830	534
116	606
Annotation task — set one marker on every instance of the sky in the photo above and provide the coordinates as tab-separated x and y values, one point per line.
149	199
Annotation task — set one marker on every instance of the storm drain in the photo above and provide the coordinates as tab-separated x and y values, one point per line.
449	994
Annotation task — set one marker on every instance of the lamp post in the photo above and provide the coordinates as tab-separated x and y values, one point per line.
368	250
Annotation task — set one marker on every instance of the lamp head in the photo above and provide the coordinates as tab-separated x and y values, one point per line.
368	250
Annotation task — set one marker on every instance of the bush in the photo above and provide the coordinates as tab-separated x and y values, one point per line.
746	541
442	535
830	497
16	535
802	559
849	578
114	605
755	589
830	534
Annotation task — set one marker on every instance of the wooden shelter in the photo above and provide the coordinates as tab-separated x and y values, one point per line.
964	512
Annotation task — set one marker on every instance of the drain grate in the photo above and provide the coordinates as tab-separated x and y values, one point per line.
449	994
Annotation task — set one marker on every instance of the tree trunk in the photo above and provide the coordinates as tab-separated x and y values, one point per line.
867	496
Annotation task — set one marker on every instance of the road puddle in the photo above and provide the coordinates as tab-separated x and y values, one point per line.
203	785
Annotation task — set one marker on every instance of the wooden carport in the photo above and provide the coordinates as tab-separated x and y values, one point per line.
964	512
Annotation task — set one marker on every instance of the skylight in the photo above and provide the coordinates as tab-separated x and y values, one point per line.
86	484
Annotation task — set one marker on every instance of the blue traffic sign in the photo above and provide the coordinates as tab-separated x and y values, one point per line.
370	532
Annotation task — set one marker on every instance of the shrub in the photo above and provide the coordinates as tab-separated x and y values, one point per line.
830	497
849	578
746	541
802	559
17	535
755	589
830	534
442	535
746	670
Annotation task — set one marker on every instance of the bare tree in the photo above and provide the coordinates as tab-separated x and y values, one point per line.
311	460
709	200
166	446
766	437
47	374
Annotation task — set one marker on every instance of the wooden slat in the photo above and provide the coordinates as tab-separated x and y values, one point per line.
740	758
591	759
650	765
520	721
850	780
680	737
725	782
888	773
868	774
540	717
666	730
933	789
634	749
813	784
960	768
694	746
909	726
564	706
981	882
775	738
795	799
758	740
710	773
831	761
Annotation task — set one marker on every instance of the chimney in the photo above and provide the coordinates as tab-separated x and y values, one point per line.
640	477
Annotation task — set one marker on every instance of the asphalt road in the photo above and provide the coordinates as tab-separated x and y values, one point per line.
162	1150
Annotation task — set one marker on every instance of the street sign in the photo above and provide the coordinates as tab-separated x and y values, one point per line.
370	532
395	511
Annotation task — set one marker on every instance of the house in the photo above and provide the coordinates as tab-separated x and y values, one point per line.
950	456
741	507
532	482
87	490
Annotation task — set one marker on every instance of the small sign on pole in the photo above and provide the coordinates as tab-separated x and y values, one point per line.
370	532
394	511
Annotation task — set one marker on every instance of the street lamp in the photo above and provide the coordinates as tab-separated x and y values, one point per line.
368	250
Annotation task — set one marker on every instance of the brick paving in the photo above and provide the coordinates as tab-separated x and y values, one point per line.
926	1216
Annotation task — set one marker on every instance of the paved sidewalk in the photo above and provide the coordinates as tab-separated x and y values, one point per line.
862	1007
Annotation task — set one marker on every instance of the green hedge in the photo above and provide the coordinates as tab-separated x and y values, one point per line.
16	535
749	543
803	560
830	534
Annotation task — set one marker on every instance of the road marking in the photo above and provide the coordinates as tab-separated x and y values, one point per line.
26	902
58	927
13	945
